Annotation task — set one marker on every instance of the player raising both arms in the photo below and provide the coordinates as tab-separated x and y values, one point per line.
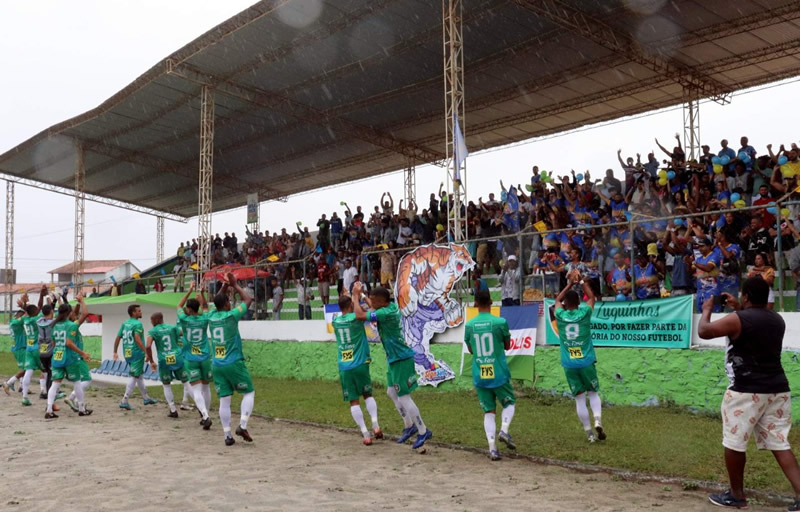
487	338
32	361
131	333
227	366
170	362
353	352
196	358
577	351
401	378
65	358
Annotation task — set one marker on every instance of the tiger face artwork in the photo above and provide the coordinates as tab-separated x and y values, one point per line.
425	278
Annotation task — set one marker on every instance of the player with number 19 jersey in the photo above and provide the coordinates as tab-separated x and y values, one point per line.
575	333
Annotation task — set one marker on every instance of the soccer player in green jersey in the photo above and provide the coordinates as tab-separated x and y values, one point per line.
401	378
17	327
574	322
131	333
196	356
227	366
78	370
170	358
353	360
32	361
487	338
65	353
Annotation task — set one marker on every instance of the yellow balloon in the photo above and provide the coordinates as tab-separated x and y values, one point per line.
662	173
787	170
717	169
739	204
785	212
662	181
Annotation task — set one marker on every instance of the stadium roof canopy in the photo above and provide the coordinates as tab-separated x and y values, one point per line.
314	93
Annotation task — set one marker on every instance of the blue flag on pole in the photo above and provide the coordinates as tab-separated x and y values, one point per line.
511	210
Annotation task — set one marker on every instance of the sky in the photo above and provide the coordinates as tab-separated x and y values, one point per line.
61	59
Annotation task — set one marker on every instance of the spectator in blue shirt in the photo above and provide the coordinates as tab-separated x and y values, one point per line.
750	151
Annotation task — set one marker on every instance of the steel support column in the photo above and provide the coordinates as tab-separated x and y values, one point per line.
159	239
410	182
80	219
691	124
206	177
453	61
9	306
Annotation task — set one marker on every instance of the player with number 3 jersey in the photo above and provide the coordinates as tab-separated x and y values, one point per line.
574	321
353	361
170	358
227	363
196	356
487	338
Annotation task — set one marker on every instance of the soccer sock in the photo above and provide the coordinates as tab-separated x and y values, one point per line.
78	390
42	384
597	407
490	426
26	383
129	389
413	411
51	395
169	397
12	380
200	401
507	416
248	402
372	409
583	412
358	416
207	394
142	387
187	393
396	399
225	414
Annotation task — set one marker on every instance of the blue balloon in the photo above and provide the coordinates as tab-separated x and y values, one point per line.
621	297
628	215
742	155
579	177
503	195
725	160
715	160
772	210
782	160
735	197
613	251
678	222
670	175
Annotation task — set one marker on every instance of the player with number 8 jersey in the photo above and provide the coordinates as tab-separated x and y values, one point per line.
487	338
227	363
574	323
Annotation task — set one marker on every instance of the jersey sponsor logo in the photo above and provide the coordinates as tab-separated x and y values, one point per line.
42	349
196	351
128	353
170	359
30	342
219	352
487	371
347	356
58	355
575	352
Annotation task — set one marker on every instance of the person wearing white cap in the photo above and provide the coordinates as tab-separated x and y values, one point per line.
509	282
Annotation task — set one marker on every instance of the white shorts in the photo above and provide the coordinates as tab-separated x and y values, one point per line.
765	417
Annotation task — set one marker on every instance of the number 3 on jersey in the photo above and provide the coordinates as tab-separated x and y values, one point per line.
218	335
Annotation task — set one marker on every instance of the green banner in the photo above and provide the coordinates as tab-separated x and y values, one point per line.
656	323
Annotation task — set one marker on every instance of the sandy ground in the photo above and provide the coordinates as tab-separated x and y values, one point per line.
142	460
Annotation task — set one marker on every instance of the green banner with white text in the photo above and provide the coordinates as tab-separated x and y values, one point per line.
656	323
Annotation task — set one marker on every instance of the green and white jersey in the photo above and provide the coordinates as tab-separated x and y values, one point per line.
128	332
31	332
575	333
225	339
486	335
63	331
17	326
195	335
351	341
165	337
72	356
390	329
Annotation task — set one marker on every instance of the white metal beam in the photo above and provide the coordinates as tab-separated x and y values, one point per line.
410	182
453	60
159	239
80	218
206	177
691	124
9	306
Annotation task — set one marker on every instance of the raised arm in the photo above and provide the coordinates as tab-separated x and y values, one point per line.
84	311
192	287
391	201
243	294
662	148
361	313
587	291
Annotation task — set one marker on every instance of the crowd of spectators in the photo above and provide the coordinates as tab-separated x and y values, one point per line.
700	250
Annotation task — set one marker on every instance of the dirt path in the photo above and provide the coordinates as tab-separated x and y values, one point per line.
142	460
